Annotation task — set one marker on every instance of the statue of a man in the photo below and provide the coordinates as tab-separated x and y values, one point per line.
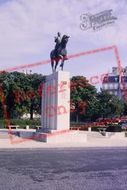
59	53
57	40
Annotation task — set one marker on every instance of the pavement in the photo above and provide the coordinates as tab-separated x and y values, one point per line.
94	139
64	169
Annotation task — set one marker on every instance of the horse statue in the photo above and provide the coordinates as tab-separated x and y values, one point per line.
60	52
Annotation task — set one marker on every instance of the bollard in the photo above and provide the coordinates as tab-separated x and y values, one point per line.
89	129
27	127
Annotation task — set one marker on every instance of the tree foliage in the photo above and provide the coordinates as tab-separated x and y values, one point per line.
81	95
21	93
90	104
109	105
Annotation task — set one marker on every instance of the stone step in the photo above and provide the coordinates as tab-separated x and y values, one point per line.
4	135
94	135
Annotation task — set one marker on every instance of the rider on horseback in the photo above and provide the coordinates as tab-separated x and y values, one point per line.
59	52
58	40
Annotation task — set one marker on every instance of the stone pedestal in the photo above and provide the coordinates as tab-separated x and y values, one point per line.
69	138
56	102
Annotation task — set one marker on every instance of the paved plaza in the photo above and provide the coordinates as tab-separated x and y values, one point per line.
64	169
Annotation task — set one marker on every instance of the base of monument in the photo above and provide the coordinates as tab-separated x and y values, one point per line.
62	137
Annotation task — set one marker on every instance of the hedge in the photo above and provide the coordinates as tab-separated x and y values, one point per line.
21	122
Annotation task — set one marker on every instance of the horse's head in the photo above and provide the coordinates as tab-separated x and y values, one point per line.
64	39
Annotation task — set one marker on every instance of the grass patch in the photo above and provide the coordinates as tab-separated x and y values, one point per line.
22	123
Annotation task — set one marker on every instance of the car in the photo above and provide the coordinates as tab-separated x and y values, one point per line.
123	124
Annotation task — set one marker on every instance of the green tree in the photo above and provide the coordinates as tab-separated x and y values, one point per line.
109	105
87	104
81	95
35	86
21	93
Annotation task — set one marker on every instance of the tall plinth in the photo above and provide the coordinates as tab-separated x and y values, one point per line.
56	102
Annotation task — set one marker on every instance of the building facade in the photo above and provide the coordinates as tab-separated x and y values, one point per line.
116	82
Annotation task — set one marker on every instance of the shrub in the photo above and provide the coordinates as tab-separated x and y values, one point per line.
22	123
2	123
114	128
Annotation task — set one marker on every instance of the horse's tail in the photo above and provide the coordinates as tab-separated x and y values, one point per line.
52	54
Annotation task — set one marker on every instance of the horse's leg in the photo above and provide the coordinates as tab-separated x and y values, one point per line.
56	64
62	64
52	64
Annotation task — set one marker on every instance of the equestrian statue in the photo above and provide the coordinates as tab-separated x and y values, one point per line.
59	52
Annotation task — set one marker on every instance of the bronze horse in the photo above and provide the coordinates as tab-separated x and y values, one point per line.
59	54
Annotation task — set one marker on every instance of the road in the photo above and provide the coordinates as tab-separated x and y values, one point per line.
64	169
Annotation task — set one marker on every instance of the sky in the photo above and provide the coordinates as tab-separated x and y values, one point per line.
28	27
